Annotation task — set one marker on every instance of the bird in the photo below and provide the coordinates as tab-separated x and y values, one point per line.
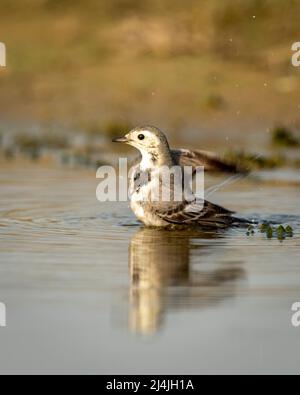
146	179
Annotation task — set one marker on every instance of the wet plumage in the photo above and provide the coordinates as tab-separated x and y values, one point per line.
146	176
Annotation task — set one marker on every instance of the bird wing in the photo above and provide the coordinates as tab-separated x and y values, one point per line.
195	158
197	212
209	160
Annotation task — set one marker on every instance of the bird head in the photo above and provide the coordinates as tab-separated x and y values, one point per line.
145	138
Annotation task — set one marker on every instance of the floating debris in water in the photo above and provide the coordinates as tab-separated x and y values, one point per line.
289	231
269	232
280	231
263	227
250	230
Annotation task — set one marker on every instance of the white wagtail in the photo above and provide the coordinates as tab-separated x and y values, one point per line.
156	154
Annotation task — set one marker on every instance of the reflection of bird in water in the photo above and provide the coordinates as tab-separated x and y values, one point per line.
163	278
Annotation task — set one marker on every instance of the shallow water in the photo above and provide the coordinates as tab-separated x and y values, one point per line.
88	290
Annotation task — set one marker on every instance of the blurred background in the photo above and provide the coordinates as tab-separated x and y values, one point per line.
87	289
211	74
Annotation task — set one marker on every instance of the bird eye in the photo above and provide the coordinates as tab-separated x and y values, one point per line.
141	137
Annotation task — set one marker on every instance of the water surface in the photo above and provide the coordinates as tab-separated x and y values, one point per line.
89	290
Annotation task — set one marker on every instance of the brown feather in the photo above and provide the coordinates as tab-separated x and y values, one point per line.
209	160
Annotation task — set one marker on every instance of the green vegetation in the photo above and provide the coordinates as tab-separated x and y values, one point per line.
33	143
250	230
280	231
45	143
117	128
282	137
214	102
251	161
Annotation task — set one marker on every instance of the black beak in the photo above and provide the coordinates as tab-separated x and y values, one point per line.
120	140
